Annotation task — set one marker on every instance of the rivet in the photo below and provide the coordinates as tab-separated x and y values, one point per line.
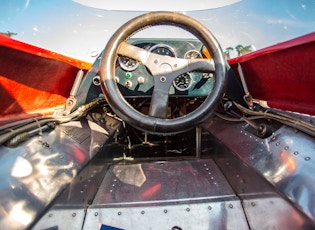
165	210
119	213
209	207
96	214
307	158
278	143
253	204
230	205
188	209
286	148
142	212
50	215
296	153
74	214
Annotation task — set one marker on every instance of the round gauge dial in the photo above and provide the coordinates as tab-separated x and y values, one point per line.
192	54
163	49
127	63
182	82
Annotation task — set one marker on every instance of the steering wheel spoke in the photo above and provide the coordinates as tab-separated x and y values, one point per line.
160	95
159	64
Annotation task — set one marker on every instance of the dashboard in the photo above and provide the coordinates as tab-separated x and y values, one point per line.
134	79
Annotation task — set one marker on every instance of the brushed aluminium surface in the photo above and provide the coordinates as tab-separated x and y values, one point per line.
38	170
190	194
285	159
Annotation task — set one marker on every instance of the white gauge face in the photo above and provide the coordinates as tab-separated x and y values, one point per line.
182	82
127	63
163	49
192	54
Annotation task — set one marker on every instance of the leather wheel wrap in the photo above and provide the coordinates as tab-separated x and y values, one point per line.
153	124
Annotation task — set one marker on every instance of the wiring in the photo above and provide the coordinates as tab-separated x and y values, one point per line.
18	132
285	119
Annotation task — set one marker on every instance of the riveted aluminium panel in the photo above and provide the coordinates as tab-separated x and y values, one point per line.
165	182
286	159
191	194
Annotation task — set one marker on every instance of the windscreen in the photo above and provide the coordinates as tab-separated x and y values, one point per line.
81	28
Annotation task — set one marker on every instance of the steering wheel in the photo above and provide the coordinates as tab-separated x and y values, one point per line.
164	70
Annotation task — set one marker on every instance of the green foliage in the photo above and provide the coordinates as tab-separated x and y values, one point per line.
8	33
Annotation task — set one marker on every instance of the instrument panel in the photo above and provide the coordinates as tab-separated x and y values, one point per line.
134	79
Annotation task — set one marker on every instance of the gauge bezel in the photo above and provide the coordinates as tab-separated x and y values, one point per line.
186	88
125	67
190	51
162	45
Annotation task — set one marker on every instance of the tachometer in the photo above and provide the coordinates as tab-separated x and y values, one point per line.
192	54
163	49
182	82
127	63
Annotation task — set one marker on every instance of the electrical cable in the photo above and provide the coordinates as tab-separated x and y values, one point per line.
288	120
22	130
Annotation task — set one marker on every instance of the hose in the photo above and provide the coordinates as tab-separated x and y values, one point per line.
288	120
24	130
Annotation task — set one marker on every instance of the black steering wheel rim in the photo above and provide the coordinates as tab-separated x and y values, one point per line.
149	123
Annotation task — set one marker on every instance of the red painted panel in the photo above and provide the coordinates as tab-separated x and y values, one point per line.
283	75
31	85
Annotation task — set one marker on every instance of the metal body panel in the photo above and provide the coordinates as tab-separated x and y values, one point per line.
263	206
285	159
208	215
69	218
33	174
218	192
187	194
69	209
163	182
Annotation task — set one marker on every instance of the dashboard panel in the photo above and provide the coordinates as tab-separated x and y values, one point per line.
134	79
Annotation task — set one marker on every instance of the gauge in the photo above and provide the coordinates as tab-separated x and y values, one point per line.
127	63
182	82
192	54
163	49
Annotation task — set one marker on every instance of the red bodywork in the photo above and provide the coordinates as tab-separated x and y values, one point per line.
35	81
283	74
